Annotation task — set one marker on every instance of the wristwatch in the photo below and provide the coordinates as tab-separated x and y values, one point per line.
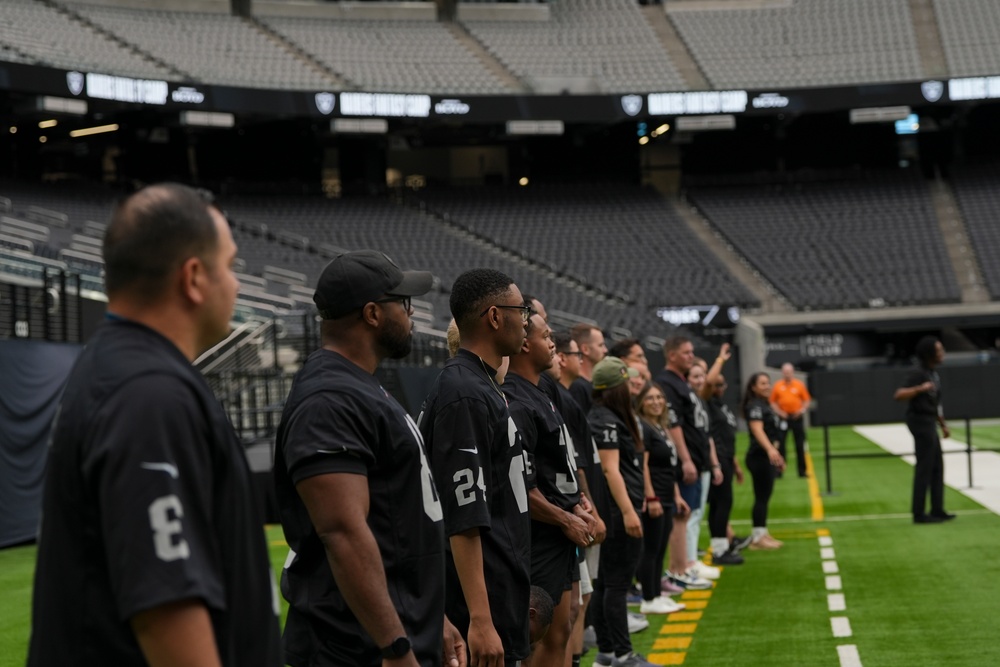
399	647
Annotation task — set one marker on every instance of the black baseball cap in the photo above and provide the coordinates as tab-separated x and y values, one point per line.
354	278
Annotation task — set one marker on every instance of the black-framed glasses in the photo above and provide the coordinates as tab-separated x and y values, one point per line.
407	301
525	310
577	354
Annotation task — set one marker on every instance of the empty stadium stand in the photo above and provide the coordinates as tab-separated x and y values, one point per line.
854	241
587	46
40	34
802	43
969	34
976	191
211	48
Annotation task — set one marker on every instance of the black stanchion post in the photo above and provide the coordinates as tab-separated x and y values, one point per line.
968	447
826	456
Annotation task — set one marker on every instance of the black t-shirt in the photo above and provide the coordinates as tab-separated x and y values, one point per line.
610	432
688	411
723	428
925	404
479	465
758	409
148	501
587	458
339	419
662	462
583	391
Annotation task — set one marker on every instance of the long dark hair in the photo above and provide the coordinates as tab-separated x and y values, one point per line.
926	351
749	394
663	423
619	401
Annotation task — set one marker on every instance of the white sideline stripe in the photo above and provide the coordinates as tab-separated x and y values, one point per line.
827	553
841	626
896	438
836	602
826	541
849	656
833	583
830	567
857	517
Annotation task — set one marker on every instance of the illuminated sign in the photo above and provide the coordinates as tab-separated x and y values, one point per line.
325	102
187	95
932	90
703	315
769	101
124	89
716	101
632	104
974	88
385	105
451	107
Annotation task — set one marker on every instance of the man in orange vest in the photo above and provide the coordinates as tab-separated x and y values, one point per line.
789	400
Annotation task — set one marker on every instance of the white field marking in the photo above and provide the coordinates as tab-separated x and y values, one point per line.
841	626
825	541
833	583
830	567
827	553
849	656
856	517
836	602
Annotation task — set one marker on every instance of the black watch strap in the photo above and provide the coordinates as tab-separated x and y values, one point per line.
399	647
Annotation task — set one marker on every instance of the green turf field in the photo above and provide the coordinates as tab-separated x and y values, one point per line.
915	595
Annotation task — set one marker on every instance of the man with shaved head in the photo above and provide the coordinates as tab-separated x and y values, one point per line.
151	549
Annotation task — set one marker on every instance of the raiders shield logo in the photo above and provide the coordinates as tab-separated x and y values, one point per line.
932	90
631	104
325	102
75	82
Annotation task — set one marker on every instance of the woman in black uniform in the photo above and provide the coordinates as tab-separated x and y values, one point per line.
662	496
615	430
923	415
763	459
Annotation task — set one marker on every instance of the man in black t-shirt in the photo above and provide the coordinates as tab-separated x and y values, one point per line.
478	463
151	548
365	576
559	522
924	414
592	348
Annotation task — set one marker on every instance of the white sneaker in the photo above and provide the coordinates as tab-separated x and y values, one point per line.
636	623
660	605
691	582
700	569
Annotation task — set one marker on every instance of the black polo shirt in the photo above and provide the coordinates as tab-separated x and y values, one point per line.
339	419
925	405
148	500
479	465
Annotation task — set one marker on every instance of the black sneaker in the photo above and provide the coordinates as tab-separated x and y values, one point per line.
928	518
731	557
944	516
740	543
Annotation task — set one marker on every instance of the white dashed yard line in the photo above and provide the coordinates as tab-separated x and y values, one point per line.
849	656
841	626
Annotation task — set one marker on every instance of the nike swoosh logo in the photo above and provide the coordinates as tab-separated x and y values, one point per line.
168	468
474	450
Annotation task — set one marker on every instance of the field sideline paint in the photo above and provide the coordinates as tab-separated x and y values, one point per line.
815	499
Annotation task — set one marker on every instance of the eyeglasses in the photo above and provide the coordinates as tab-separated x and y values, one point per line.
407	301
577	354
525	310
